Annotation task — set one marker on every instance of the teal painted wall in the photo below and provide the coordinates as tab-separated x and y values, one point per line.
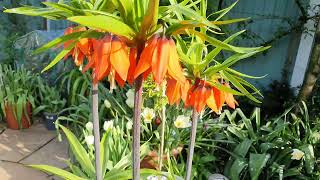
268	18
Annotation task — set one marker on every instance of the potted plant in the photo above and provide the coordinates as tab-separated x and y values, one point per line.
51	105
16	97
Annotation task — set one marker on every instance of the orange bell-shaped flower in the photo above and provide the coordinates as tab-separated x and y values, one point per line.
202	94
82	49
110	57
161	58
177	91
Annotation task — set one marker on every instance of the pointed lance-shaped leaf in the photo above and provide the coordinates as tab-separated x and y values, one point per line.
150	19
106	23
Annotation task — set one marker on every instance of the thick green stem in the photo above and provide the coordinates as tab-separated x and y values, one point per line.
195	117
136	122
96	129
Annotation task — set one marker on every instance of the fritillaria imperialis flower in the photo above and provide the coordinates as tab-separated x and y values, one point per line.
160	58
202	94
82	49
176	90
110	58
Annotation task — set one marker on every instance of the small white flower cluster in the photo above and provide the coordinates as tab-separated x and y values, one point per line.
89	138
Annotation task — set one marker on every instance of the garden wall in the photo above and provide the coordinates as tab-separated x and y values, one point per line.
269	21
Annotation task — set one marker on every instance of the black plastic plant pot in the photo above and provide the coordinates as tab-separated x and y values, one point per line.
50	119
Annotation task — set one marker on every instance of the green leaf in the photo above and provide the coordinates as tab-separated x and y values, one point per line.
231	21
58	172
217	43
256	163
238	85
188	12
105	23
309	158
231	61
49	13
58	41
150	19
60	56
243	148
225	11
79	152
65	8
237	167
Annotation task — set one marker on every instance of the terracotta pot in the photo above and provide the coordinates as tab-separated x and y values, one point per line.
12	122
151	161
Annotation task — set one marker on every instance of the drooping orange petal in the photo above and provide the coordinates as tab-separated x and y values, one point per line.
146	57
218	96
174	67
89	65
160	60
212	103
173	91
84	45
133	64
119	58
184	90
119	80
230	101
79	57
102	57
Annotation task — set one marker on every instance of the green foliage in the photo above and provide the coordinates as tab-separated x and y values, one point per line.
49	98
115	156
17	88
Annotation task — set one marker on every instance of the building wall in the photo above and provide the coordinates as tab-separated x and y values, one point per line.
268	19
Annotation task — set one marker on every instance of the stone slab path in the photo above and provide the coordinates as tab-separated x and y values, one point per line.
35	145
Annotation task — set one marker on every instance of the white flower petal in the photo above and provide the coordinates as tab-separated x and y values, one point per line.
89	126
89	140
297	154
108	125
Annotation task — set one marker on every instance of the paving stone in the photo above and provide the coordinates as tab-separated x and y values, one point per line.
3	126
53	154
16	171
17	144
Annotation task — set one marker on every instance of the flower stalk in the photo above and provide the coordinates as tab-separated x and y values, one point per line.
96	130
136	121
195	117
163	126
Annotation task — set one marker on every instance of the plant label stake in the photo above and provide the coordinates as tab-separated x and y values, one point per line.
195	117
96	129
